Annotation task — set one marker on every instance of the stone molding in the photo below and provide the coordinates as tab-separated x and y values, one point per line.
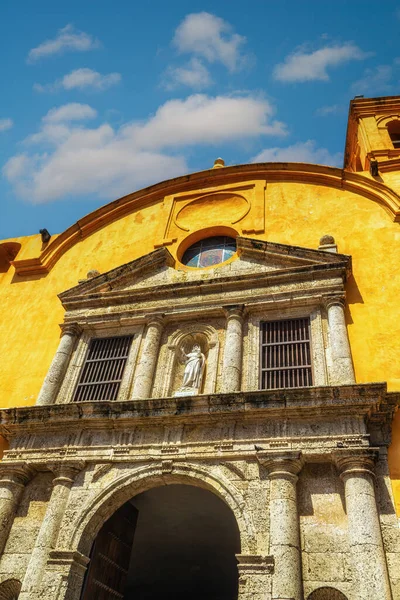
360	399
61	558
254	563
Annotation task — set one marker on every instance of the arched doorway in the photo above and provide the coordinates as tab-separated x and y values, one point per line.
326	593
174	541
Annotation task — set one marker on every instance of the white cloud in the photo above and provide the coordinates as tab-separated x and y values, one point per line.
325	111
208	36
374	81
194	74
67	39
81	79
311	66
302	152
70	112
6	124
75	159
202	119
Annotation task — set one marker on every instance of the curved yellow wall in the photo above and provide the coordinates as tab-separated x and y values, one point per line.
289	213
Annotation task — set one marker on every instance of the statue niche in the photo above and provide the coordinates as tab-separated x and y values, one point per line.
190	365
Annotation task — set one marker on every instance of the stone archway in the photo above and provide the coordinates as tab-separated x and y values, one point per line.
83	525
82	531
326	593
184	546
10	589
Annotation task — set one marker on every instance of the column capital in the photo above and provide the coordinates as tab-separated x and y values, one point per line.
334	300
235	311
65	472
72	329
18	474
281	464
156	320
356	462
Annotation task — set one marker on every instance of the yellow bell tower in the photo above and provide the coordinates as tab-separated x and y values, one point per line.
373	138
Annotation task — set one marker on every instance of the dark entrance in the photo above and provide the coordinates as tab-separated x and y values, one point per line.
184	546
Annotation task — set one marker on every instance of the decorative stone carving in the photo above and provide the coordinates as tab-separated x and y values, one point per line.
327	243
195	363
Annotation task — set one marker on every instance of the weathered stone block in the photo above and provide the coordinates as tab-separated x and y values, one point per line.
323	566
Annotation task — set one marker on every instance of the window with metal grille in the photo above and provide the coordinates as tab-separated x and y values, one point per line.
285	354
102	372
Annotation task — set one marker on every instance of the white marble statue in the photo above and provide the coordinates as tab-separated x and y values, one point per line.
194	368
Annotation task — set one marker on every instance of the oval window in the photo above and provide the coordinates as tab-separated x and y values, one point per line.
210	251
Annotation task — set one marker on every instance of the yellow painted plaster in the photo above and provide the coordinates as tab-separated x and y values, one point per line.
293	213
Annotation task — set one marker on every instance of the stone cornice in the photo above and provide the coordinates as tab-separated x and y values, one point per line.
290	255
296	265
270	172
363	400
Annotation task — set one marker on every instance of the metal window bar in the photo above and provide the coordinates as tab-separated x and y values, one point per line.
103	369
285	354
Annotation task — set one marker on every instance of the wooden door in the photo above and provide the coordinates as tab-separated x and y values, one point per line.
110	556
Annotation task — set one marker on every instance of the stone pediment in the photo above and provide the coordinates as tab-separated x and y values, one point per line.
255	258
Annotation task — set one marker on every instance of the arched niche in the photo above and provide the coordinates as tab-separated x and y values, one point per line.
183	340
326	593
10	589
186	346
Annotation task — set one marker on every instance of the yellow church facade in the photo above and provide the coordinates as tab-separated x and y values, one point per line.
245	329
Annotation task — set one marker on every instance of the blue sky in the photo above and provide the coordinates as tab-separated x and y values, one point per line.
101	98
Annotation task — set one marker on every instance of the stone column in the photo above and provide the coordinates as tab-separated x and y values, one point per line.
232	363
342	371
58	367
13	478
47	537
144	374
370	575
284	523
